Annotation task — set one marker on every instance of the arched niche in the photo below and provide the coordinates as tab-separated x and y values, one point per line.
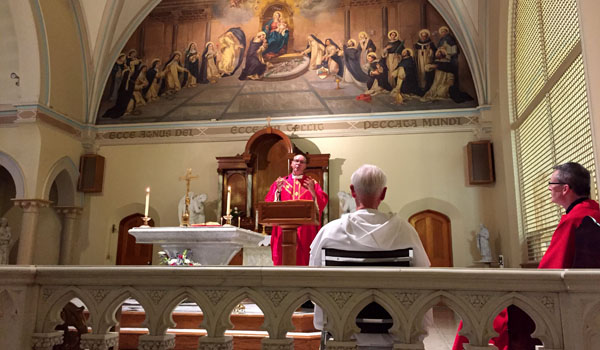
15	172
63	178
267	155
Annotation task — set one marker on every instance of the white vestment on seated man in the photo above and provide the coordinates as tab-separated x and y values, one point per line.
368	230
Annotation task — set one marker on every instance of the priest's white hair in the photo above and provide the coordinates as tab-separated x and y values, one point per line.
368	180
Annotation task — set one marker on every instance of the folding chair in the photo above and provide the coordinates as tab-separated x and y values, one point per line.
373	318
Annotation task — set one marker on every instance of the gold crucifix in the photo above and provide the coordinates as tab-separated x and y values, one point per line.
185	217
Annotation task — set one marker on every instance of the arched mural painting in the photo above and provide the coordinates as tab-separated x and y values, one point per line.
225	60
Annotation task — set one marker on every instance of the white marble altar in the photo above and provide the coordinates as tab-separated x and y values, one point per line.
206	245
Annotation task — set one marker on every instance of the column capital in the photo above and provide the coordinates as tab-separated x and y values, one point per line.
215	343
31	205
46	341
69	211
99	341
156	342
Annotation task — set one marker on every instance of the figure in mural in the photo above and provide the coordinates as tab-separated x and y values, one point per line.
315	50
125	102
378	76
332	60
483	244
171	83
209	72
277	33
114	79
353	73
154	78
192	64
132	58
406	78
450	45
255	64
196	208
141	83
443	78
366	46
392	54
232	48
425	51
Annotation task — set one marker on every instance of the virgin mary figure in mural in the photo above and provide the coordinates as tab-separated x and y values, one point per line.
277	32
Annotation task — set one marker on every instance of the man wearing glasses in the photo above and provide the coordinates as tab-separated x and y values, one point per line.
296	186
570	188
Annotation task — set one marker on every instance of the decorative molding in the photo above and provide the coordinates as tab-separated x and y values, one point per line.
277	344
276	296
31	205
342	345
46	341
99	294
156	295
161	342
340	298
548	302
405	298
72	212
215	295
215	343
46	293
477	300
99	341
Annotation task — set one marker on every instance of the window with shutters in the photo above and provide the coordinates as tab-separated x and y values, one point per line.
549	109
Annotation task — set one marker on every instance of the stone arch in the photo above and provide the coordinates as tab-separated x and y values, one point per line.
57	302
13	168
65	174
180	296
107	318
300	297
545	330
591	327
222	321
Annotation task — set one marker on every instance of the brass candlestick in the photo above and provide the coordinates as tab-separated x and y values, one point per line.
185	217
337	81
146	220
228	219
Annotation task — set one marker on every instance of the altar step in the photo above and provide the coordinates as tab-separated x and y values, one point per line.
246	333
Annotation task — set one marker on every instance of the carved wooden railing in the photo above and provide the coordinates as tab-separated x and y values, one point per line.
565	304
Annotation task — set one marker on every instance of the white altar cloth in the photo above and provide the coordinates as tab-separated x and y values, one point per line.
207	245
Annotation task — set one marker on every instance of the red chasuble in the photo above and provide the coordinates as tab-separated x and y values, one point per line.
559	255
291	190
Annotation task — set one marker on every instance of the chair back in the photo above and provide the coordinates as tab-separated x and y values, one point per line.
587	244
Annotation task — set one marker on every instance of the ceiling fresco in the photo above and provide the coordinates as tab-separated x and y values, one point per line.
244	59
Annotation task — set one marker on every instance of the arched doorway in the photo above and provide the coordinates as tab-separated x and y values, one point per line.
128	251
434	231
8	190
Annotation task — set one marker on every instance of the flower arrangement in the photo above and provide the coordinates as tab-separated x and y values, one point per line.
180	260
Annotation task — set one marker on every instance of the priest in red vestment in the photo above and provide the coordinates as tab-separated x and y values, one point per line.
569	187
296	186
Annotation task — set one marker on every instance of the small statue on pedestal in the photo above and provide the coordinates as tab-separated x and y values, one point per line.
347	203
196	208
483	244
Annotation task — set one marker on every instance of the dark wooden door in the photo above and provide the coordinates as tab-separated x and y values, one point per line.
128	252
434	231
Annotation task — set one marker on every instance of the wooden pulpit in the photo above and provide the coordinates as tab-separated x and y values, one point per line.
288	215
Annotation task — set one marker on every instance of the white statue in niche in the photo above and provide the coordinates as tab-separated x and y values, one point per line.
483	244
196	208
5	236
347	203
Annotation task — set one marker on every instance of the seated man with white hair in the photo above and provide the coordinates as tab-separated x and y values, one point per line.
367	229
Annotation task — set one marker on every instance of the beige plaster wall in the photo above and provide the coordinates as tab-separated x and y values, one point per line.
424	172
67	79
23	144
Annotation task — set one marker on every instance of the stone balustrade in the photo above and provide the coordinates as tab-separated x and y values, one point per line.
565	304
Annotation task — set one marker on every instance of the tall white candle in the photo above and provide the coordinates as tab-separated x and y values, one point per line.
228	200
147	201
256	222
